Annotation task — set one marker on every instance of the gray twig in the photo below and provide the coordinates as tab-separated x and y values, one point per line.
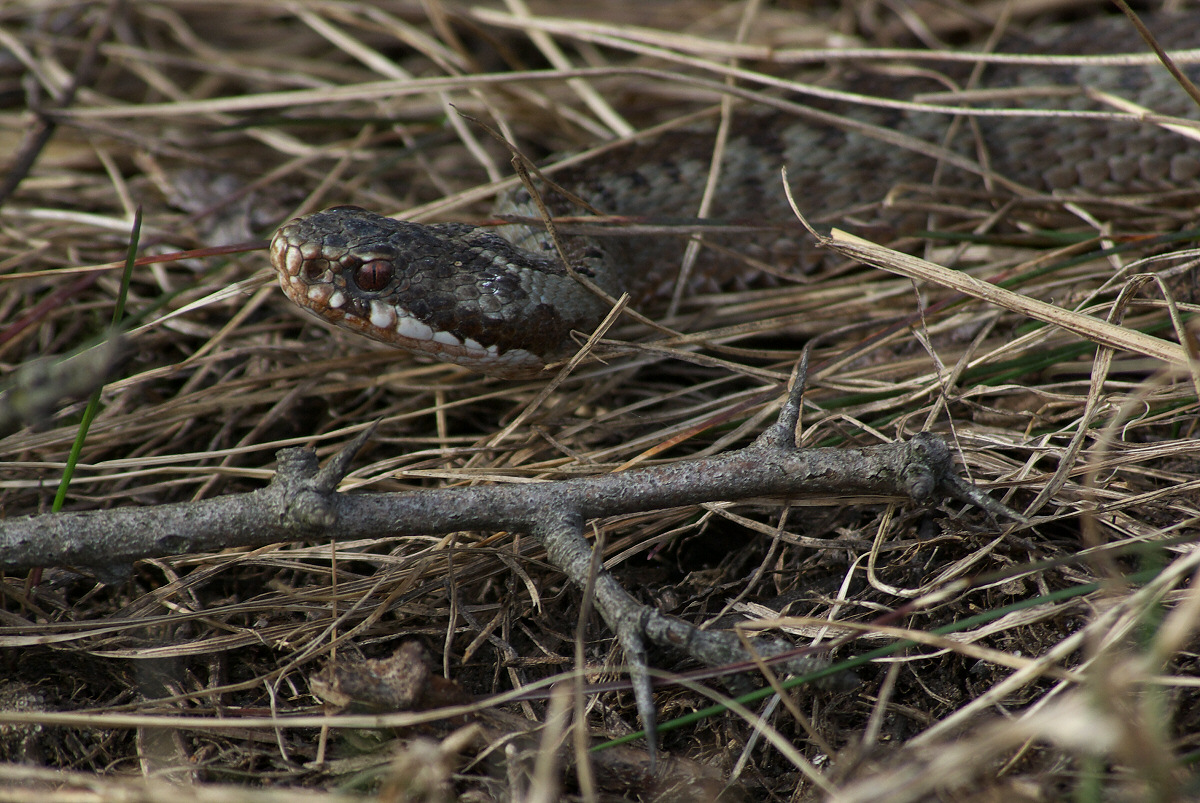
302	503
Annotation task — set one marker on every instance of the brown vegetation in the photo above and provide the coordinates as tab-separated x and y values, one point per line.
1040	660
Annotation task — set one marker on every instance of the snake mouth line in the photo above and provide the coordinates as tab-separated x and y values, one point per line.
506	299
313	278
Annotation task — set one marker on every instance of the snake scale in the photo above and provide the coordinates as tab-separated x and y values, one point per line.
500	300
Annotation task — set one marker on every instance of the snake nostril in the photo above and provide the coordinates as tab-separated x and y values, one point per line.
315	269
373	275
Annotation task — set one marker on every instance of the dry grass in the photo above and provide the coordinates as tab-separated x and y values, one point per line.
223	119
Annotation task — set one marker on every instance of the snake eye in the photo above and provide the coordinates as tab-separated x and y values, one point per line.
373	275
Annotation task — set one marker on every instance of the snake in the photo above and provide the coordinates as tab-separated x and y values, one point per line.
508	300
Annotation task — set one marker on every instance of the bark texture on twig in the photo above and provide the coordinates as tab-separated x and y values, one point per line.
295	507
302	502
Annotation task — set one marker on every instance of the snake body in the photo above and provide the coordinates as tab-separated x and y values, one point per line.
501	301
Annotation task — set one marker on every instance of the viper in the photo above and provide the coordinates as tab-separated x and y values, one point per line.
503	301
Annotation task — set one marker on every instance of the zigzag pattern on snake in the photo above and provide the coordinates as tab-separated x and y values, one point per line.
500	301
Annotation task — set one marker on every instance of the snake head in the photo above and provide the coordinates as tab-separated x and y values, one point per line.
457	293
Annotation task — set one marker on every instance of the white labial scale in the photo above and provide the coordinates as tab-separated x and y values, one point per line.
337	299
319	293
413	329
446	339
382	315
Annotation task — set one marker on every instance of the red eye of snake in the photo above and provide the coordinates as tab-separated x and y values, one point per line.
373	275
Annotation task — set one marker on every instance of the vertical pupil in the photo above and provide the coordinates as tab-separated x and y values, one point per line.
373	275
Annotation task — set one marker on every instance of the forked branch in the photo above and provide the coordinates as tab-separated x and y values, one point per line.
302	503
